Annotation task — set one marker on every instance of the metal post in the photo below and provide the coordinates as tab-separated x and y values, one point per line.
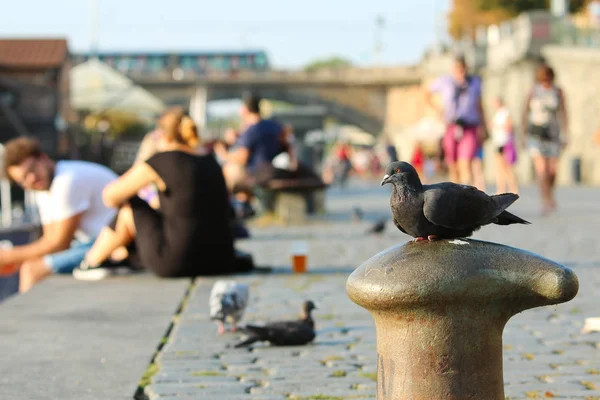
94	27
440	309
560	8
379	25
5	194
6	202
198	108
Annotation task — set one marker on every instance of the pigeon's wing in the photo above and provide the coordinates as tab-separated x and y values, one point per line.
462	207
398	225
288	333
215	300
240	299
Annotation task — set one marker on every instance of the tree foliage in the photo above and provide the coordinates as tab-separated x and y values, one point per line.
328	63
121	123
465	15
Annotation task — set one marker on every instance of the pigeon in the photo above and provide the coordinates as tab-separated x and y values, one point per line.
357	214
378	228
227	302
284	333
443	210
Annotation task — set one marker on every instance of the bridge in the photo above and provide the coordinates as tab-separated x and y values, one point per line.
357	96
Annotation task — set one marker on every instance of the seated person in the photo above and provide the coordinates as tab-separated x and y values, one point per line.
250	162
190	235
68	195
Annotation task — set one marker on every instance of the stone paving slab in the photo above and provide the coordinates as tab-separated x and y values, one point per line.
544	354
68	339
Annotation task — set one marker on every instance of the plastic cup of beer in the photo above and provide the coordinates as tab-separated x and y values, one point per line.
10	269
299	254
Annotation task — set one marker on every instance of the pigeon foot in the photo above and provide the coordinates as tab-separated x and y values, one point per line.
432	237
419	239
221	330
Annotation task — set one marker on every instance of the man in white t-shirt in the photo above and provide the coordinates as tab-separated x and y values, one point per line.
68	195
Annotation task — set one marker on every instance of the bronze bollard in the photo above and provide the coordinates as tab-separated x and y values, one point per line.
440	308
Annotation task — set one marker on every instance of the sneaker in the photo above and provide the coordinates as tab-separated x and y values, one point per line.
108	268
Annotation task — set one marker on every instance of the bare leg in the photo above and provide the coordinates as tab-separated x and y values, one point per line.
500	174
32	272
110	240
233	327
452	172
541	168
464	172
478	176
221	327
119	254
511	178
552	168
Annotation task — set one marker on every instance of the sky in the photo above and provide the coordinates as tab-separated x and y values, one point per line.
293	33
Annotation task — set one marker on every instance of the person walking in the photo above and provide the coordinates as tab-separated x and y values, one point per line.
546	120
465	121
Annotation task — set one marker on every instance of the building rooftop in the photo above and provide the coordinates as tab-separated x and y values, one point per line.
32	53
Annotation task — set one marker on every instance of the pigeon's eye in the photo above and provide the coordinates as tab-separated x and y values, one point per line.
397	170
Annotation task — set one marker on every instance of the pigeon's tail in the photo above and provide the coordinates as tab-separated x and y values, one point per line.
506	218
247	342
259	331
256	333
504	200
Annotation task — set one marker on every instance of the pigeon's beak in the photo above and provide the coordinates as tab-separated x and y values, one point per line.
386	179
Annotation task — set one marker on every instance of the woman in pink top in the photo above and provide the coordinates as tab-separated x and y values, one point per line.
463	114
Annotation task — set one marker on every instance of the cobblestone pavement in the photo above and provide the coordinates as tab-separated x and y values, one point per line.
545	355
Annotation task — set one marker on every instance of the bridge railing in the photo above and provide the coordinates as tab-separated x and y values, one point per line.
351	75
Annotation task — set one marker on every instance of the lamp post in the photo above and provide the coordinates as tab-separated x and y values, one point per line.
560	8
379	25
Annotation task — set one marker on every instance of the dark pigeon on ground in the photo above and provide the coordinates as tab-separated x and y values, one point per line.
357	214
378	228
443	210
284	333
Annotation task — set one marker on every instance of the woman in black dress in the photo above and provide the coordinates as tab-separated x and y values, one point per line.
190	234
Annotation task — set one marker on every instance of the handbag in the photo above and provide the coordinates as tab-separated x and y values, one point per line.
541	132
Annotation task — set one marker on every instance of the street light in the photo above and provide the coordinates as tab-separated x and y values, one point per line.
379	25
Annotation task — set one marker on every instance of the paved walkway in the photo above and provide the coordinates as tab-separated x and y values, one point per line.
74	340
545	355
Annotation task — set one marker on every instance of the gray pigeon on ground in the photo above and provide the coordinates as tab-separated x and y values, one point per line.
227	302
284	333
443	210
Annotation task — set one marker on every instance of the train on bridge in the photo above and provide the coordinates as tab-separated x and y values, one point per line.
200	63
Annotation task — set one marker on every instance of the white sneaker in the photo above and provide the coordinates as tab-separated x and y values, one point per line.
86	273
91	274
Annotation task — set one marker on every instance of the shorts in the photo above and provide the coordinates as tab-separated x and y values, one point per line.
464	149
544	148
64	262
508	152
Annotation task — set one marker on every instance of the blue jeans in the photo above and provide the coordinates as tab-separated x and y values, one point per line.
64	262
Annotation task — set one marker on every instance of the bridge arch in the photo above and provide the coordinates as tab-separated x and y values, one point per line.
342	113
